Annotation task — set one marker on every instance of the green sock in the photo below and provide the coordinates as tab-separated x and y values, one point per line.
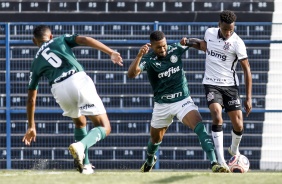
206	141
94	135
79	134
151	150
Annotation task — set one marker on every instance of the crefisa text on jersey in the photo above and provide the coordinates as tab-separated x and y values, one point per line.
170	71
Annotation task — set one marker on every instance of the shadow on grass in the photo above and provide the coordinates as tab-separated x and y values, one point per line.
173	179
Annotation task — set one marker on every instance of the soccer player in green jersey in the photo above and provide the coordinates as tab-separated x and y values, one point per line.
72	88
171	94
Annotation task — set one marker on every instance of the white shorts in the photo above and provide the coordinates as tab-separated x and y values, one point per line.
77	96
163	114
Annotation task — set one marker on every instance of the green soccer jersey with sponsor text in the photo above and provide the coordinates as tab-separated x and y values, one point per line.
54	60
166	75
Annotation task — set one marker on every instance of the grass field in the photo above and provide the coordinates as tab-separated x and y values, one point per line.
135	177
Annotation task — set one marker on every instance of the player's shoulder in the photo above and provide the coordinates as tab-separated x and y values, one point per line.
65	37
175	48
212	30
149	56
237	39
173	45
236	36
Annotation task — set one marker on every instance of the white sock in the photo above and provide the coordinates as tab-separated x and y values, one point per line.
218	144
236	139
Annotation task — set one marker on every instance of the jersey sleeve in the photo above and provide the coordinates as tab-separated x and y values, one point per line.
181	48
205	37
33	81
210	32
70	40
241	50
33	77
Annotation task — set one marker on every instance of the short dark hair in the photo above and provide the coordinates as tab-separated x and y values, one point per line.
40	30
157	36
227	16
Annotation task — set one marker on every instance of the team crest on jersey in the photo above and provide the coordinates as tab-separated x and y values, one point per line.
173	58
226	46
210	96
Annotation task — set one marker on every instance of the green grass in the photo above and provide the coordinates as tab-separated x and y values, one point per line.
135	177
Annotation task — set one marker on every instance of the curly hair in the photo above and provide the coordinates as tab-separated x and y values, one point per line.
227	16
40	30
156	36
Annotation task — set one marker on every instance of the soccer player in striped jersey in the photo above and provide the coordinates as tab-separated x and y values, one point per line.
72	88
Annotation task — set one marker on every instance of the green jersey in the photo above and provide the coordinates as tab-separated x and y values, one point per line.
166	75
54	60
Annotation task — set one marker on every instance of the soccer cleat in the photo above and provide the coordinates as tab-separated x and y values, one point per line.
225	166
217	168
77	152
88	169
232	153
147	168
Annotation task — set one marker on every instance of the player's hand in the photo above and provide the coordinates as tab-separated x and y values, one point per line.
29	136
144	49
248	106
183	41
116	58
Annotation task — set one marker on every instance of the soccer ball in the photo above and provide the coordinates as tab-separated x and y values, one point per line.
239	164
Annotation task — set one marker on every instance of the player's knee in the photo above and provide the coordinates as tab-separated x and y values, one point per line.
216	116
238	126
217	120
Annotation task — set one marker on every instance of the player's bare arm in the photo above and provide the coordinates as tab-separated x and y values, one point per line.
134	68
203	45
30	134
91	42
192	42
248	82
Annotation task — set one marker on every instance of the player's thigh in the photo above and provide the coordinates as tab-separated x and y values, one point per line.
214	99
213	95
187	112
66	98
161	116
89	102
231	98
191	119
